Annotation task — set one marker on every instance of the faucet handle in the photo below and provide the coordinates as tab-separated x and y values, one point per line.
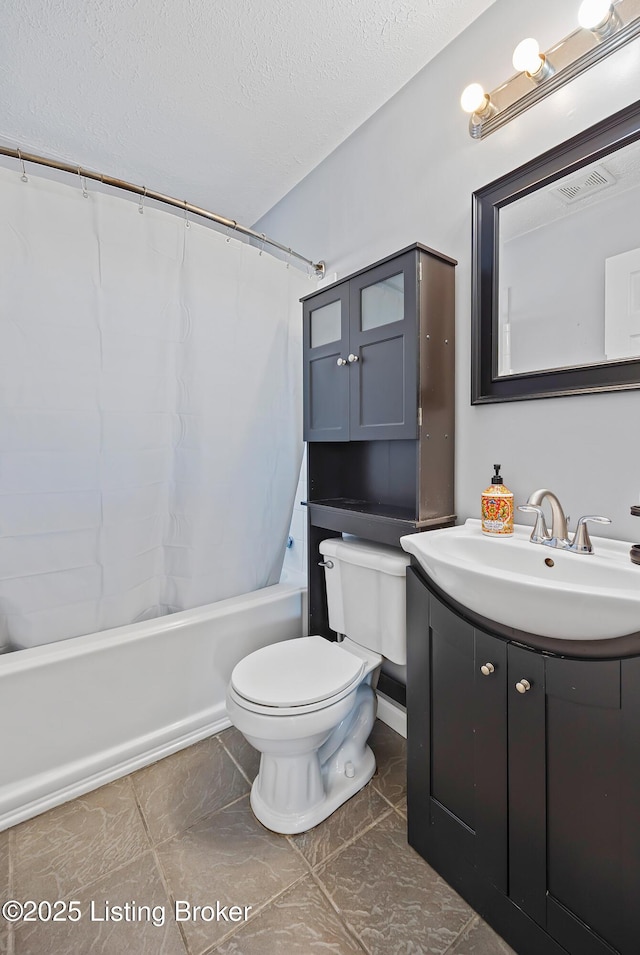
581	542
540	533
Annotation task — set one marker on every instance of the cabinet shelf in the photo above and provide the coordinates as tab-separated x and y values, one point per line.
388	522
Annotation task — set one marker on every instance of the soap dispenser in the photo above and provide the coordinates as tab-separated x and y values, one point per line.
497	507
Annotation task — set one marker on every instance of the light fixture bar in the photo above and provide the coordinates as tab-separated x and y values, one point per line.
577	52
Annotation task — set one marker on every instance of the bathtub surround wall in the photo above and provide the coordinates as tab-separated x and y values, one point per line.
150	408
408	174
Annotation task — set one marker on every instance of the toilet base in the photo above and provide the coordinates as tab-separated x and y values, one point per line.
339	788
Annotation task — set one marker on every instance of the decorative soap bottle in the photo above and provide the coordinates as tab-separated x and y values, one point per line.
497	507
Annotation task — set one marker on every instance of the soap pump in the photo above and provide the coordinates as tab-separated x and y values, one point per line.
497	507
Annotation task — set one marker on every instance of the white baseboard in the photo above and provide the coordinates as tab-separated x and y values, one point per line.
392	714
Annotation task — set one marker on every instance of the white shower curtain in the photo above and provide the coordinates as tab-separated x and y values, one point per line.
150	405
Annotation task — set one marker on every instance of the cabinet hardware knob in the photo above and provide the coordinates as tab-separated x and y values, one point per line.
522	686
352	358
487	669
341	361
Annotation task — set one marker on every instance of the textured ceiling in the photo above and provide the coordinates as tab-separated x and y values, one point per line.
227	103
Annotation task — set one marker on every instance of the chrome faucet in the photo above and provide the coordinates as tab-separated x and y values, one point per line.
558	535
581	543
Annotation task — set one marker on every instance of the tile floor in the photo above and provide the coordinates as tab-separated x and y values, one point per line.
182	829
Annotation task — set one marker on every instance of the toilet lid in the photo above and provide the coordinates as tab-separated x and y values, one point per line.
296	672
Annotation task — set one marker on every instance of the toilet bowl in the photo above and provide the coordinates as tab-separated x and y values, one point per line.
308	705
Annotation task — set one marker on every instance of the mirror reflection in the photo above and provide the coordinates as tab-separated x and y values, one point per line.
569	276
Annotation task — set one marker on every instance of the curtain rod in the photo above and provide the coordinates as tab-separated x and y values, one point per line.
318	267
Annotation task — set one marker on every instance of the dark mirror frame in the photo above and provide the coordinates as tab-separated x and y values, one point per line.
589	146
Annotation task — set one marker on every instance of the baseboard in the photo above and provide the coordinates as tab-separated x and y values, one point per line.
392	714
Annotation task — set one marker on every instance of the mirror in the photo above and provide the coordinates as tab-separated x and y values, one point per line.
556	284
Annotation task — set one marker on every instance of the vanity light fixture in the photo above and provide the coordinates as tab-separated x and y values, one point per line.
604	27
528	59
475	101
599	17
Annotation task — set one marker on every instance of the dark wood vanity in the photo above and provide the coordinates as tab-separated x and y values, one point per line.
524	775
378	350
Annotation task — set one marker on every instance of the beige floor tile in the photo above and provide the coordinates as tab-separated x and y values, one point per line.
353	817
300	922
243	752
390	750
391	897
138	883
402	807
227	857
480	939
177	791
72	845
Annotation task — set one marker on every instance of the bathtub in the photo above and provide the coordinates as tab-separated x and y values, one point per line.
77	714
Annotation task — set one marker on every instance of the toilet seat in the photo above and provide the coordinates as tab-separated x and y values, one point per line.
297	676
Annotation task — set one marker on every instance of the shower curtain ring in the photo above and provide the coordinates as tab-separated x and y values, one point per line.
83	183
24	176
142	198
187	224
263	242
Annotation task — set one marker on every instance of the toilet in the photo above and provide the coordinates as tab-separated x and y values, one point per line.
308	705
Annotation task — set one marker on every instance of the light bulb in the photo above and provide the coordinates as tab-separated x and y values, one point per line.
473	98
526	57
593	13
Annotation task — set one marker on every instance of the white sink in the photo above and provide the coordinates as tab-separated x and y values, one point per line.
532	587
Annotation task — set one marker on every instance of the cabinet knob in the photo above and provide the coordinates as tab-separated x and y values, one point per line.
341	361
352	358
522	686
487	669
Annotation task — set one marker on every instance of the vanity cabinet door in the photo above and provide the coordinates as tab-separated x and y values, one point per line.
325	324
574	815
457	788
527	800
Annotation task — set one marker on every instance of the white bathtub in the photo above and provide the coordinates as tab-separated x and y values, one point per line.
76	714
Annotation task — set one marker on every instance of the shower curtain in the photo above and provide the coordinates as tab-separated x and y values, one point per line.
150	406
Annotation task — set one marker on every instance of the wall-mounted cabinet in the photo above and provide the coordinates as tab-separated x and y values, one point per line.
523	778
361	355
379	405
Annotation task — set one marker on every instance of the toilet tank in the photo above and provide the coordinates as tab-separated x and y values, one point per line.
366	594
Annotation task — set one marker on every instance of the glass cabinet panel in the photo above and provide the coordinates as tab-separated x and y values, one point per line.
326	324
382	303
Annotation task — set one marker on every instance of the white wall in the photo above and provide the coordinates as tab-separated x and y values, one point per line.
407	175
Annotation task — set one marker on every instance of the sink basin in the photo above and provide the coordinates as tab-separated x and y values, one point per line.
531	587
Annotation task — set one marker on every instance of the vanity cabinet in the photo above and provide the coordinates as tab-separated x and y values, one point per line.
524	778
